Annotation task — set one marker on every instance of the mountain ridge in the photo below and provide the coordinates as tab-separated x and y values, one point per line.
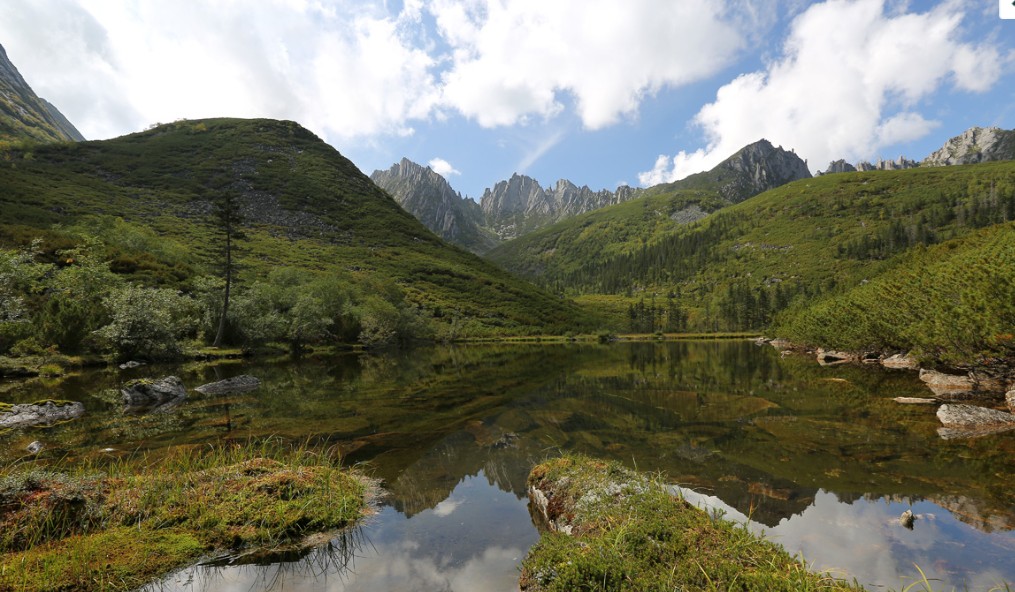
26	116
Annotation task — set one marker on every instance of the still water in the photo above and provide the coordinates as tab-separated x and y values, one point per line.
819	459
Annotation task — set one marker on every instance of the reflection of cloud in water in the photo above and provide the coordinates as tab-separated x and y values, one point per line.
398	567
479	547
864	539
446	507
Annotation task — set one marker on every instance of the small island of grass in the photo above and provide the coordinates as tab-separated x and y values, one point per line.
133	521
609	528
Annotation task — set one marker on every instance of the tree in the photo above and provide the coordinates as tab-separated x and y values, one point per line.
227	220
148	322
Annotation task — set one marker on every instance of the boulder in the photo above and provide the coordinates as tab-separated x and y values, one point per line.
900	362
1010	399
152	393
830	358
947	385
44	413
236	384
972	416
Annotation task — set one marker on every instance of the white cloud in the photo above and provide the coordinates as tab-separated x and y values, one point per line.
848	84
443	167
515	60
344	69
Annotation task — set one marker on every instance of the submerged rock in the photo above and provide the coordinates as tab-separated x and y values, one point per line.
972	416
906	519
948	385
153	393
900	362
915	400
44	413
236	384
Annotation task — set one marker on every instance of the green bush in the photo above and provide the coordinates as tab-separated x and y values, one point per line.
148	323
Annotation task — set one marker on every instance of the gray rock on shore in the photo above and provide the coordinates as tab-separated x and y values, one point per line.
900	362
45	413
236	384
152	393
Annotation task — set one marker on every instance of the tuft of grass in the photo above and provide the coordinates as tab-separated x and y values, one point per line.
73	528
628	532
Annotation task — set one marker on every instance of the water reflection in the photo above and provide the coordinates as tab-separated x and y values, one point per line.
820	457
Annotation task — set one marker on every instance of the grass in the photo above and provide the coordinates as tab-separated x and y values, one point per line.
628	532
118	526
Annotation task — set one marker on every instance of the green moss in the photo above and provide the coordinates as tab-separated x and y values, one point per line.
629	532
119	558
145	518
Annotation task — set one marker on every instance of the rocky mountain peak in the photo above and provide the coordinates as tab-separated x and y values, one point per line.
976	144
756	168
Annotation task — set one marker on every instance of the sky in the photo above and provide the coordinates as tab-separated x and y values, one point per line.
600	92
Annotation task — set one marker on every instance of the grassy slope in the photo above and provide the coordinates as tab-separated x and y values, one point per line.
958	296
311	207
815	235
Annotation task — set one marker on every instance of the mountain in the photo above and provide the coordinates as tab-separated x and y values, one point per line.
510	209
428	196
151	197
520	204
753	169
563	248
977	144
739	266
24	115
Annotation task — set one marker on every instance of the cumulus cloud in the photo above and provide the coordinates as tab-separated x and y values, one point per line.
345	69
351	68
848	84
512	61
443	167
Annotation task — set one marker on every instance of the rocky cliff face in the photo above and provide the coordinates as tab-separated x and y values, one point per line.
431	200
758	167
520	204
508	210
24	115
977	144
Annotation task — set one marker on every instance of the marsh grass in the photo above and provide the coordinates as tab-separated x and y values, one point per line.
628	532
117	525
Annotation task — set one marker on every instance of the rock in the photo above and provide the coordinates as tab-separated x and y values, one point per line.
1009	398
977	144
972	416
152	393
973	432
780	343
900	362
34	447
945	385
830	358
839	166
906	519
915	401
131	364
44	413
236	384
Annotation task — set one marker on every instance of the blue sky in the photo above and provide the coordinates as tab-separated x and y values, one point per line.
601	92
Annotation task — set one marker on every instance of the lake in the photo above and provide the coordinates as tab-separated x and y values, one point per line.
819	459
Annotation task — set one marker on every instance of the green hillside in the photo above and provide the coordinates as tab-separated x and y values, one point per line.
954	301
739	266
310	219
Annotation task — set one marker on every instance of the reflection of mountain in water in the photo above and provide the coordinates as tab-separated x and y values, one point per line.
727	418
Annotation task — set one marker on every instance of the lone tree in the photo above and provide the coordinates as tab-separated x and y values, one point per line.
227	219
